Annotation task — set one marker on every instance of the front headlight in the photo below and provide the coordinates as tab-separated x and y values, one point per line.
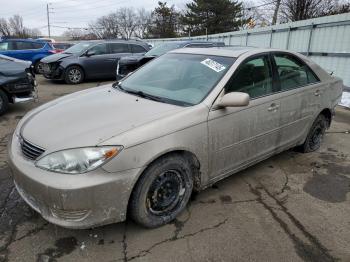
78	160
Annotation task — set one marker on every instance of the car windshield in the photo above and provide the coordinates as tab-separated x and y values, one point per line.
79	48
182	79
162	49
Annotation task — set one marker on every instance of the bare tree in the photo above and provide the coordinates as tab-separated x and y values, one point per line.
295	10
275	12
106	26
17	27
5	29
127	21
14	27
74	34
143	23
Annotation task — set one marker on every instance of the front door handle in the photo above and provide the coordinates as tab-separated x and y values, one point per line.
273	108
317	93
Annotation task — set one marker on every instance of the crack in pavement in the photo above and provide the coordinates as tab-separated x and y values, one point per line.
314	251
125	244
171	239
32	232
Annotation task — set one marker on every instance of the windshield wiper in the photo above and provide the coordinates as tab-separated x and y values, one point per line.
138	93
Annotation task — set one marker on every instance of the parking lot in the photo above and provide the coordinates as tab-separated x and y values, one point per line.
292	207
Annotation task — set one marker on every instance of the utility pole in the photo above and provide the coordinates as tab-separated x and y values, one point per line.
48	19
277	7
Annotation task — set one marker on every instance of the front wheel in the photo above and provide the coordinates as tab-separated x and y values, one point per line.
4	102
162	192
315	137
74	75
38	67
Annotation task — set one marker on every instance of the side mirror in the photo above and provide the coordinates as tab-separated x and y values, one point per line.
234	99
90	53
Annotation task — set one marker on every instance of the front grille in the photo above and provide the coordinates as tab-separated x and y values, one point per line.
69	215
31	151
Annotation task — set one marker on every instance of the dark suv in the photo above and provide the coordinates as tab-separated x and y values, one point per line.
88	60
17	82
129	64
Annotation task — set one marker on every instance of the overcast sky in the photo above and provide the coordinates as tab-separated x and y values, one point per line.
72	13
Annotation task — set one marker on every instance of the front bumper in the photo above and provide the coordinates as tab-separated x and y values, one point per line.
72	201
53	71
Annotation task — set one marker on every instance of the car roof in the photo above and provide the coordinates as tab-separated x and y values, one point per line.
116	41
22	40
229	51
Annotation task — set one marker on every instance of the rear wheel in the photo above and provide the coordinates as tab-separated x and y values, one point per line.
74	75
162	192
4	102
315	137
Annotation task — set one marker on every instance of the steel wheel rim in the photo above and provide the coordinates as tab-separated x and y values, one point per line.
166	193
74	75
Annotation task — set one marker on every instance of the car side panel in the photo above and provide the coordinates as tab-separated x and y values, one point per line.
240	135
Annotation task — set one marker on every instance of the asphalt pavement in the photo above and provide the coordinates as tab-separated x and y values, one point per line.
291	207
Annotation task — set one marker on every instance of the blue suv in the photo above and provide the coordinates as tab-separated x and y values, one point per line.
25	49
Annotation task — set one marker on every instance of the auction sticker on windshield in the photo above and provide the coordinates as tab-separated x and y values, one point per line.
213	65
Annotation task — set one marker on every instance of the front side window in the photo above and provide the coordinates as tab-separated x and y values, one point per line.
79	48
183	79
100	49
116	48
253	77
292	72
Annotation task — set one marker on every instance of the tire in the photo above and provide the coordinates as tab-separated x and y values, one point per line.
162	191
4	102
74	75
38	67
314	138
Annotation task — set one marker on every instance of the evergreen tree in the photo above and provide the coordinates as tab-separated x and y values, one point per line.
212	17
164	21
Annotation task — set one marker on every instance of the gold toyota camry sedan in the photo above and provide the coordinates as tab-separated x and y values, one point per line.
139	147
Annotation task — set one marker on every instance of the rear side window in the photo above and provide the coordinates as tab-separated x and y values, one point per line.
24	45
4	46
293	73
118	48
137	49
253	77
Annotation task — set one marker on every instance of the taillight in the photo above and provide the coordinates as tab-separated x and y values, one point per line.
55	51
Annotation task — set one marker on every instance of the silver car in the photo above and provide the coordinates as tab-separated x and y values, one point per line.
180	123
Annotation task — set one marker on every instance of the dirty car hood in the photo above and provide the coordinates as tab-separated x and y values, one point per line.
91	118
12	69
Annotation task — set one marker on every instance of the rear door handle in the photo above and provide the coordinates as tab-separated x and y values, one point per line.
273	108
317	93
